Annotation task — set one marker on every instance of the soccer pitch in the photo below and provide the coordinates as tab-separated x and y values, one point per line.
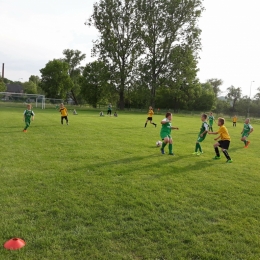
99	188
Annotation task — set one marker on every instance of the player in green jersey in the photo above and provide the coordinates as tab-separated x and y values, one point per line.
202	134
211	119
166	133
28	114
247	130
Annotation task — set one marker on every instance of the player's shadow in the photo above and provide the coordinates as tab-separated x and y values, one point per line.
130	165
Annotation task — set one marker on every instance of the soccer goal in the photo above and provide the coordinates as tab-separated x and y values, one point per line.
17	99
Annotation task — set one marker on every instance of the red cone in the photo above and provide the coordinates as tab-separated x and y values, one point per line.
14	244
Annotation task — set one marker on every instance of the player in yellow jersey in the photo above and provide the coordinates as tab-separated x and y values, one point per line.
150	117
64	113
234	120
223	142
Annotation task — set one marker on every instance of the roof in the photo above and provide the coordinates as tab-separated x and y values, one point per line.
14	88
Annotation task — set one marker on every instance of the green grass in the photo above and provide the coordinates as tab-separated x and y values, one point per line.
100	189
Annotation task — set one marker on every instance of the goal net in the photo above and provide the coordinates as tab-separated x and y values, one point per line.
10	99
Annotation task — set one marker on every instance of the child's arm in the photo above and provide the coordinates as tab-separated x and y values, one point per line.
251	130
217	138
212	133
175	127
164	121
242	131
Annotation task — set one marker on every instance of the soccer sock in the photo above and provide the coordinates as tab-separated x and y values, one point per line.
145	124
217	151
154	124
170	148
226	154
199	147
163	145
196	147
245	141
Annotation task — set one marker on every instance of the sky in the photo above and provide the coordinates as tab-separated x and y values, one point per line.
35	32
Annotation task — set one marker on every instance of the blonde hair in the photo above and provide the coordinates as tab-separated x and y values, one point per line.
221	120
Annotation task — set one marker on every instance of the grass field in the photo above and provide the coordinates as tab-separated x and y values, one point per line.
100	189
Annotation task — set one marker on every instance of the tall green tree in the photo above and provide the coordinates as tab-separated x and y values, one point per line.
206	101
2	86
216	83
30	87
166	28
55	81
233	95
95	83
74	59
119	44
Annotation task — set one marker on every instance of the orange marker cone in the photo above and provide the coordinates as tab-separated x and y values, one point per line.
14	244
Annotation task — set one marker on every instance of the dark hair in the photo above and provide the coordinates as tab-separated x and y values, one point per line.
168	114
204	116
221	120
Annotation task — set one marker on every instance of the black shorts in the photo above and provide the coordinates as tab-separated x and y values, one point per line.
149	118
224	144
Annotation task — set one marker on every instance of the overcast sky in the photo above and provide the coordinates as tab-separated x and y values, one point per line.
36	31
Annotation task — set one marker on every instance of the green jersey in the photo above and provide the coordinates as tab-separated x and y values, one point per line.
247	129
166	128
211	119
28	114
204	127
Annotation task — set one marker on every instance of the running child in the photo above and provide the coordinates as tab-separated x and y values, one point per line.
166	133
202	134
28	114
211	119
247	130
150	117
224	141
64	113
234	119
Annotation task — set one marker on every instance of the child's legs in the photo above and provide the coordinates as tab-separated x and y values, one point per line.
27	124
170	145
61	120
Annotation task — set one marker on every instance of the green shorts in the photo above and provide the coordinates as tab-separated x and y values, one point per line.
164	135
200	139
245	135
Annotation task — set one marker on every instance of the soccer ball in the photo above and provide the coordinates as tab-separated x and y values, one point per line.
158	143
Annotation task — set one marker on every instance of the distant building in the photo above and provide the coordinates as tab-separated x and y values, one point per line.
14	88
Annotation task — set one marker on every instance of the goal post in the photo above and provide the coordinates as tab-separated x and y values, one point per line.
16	99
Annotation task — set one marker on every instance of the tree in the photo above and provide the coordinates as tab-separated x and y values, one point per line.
216	83
119	44
35	79
206	100
56	82
166	28
74	58
95	83
234	94
2	86
30	87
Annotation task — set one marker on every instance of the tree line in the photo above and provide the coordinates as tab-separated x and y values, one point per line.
146	54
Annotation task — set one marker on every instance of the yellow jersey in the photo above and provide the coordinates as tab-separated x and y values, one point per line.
150	113
234	119
63	111
224	135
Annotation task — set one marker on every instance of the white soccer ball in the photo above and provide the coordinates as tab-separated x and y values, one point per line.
158	143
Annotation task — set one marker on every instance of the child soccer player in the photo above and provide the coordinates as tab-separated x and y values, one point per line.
101	113
166	133
211	119
234	120
109	109
75	112
115	114
64	113
247	130
223	142
150	117
28	114
202	134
